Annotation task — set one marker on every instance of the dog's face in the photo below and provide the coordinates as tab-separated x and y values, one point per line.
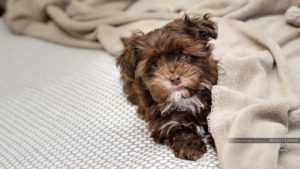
172	62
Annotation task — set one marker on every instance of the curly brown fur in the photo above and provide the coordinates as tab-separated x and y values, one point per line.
168	74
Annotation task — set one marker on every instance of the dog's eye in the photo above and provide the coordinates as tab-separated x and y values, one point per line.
185	57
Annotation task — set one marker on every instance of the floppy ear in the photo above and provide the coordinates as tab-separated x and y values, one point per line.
201	28
127	60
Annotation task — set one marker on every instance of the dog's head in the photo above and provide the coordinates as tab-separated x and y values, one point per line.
172	62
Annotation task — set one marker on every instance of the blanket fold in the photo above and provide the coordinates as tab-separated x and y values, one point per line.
257	95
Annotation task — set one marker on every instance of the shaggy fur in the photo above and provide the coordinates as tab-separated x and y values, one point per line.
168	74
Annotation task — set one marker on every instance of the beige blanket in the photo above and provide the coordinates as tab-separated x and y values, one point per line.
257	95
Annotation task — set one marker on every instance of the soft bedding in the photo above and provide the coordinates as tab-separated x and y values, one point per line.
258	92
63	107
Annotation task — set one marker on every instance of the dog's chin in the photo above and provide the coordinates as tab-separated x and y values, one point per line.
178	93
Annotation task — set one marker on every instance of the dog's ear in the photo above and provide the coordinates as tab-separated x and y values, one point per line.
201	28
128	59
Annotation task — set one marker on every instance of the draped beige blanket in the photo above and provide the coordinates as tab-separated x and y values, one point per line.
257	95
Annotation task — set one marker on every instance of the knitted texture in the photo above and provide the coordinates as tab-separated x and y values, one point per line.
62	107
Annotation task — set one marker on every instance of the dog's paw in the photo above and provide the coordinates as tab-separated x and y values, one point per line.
191	149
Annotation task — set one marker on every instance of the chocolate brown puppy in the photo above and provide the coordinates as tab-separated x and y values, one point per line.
168	73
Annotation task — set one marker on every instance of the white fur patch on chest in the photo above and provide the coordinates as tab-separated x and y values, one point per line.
192	104
169	126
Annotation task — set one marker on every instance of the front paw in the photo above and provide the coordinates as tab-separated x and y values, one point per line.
189	149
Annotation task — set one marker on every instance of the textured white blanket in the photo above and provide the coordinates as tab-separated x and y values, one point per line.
63	107
258	93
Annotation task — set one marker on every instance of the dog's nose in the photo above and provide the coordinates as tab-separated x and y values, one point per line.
175	79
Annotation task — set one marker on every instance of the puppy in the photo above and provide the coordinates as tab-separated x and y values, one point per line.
168	73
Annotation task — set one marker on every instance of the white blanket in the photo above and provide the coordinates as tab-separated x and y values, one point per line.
62	107
258	93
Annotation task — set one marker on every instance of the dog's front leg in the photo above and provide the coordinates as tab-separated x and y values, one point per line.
187	145
181	137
